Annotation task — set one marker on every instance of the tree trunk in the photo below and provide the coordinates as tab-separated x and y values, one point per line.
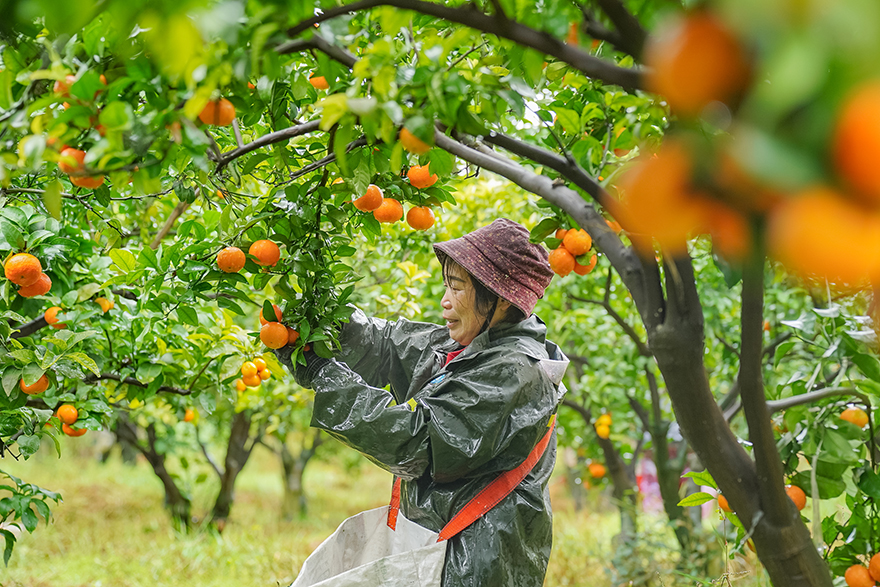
294	502
237	454
176	502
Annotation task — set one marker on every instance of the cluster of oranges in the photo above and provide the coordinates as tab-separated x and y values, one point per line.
73	160
68	415
232	259
389	210
575	243
253	373
862	576
26	271
273	333
603	426
696	63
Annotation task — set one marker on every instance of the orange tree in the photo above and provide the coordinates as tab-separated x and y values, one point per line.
232	123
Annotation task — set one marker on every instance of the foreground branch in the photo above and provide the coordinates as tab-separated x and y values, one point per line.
136	383
265	140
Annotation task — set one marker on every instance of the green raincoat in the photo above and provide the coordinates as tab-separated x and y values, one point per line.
450	431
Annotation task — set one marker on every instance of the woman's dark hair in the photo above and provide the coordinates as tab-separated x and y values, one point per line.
484	299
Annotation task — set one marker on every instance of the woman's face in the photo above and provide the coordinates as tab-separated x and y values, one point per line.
459	309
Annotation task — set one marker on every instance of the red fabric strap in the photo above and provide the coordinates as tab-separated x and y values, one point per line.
488	497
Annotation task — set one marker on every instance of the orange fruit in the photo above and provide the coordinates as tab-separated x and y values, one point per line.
858	576
578	242
855	142
273	335
39	386
420	217
319	82
420	176
277	318
603	430
657	199
597	470
766	326
614	225
248	369
797	495
51	316
67	413
260	363
731	234
722	503
23	269
73	431
292	336
390	211
266	252
106	305
572	38
264	374
218	113
874	567
412	143
252	380
371	200
40	287
604	419
231	260
561	232
561	261
846	251
189	415
240	385
694	60
584	269
72	160
856	416
62	87
89	182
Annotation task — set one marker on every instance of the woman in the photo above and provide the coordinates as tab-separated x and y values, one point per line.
468	401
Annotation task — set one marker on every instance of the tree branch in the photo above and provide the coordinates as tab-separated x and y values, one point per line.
175	214
641	346
630	79
632	35
208	457
136	383
30	327
814	396
332	51
269	139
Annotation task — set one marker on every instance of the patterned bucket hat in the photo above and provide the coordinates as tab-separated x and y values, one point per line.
501	257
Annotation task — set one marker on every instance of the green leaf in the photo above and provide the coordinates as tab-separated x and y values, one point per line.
333	109
781	351
544	229
442	163
117	116
84	360
52	199
869	482
702	478
867	364
188	315
568	119
124	260
695	499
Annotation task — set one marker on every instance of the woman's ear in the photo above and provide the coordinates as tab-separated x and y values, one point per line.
501	310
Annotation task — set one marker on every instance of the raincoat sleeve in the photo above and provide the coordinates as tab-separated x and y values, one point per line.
484	418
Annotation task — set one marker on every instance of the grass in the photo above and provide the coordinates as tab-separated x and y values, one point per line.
112	530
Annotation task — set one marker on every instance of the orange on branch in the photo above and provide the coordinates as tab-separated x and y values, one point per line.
420	176
572	38
231	260
412	143
266	253
106	305
614	225
62	87
561	261
23	269
218	113
797	495
694	60
319	82
730	231
597	470
263	320
820	233
51	316
292	336
855	416
722	503
72	160
88	182
578	242
240	385
39	386
68	414
855	144
874	567
858	576
420	217
264	374
274	335
604	420
73	431
584	269
189	415
252	380
560	233
38	288
260	362
389	211
603	431
248	368
371	199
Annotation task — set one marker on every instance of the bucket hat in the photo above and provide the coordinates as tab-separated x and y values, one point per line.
501	258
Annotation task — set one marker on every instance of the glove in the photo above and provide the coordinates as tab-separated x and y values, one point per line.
303	374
